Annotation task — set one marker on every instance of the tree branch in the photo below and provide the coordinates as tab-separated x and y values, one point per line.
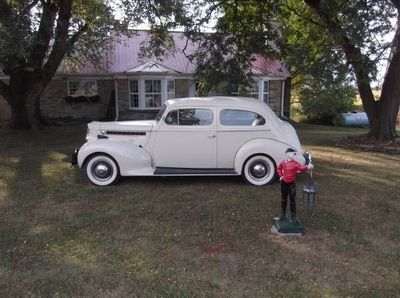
396	3
43	36
304	17
353	54
60	42
27	9
74	38
5	9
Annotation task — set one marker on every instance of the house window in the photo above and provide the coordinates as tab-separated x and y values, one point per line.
170	89
251	92
266	92
152	93
133	94
254	90
86	88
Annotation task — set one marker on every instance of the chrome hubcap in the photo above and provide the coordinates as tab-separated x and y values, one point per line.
102	171
258	170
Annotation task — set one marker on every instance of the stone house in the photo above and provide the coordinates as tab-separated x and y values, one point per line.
124	86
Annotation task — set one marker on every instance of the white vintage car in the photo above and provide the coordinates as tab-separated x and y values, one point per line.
191	137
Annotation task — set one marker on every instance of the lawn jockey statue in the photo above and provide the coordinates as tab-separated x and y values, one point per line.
287	172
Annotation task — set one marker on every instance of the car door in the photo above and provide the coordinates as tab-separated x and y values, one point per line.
236	127
187	138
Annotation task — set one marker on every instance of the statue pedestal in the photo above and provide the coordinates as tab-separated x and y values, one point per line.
287	227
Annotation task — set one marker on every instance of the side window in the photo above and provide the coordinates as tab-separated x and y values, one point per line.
230	117
172	118
190	117
195	117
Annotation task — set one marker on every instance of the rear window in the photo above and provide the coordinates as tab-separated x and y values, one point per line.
190	117
230	117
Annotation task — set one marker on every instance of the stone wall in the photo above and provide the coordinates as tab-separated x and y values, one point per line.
54	104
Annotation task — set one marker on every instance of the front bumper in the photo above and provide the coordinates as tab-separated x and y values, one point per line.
74	157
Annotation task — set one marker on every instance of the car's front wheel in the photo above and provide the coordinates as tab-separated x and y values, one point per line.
101	170
259	170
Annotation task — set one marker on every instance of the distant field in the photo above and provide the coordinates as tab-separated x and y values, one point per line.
202	237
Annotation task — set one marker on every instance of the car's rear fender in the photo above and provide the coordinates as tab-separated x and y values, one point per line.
128	155
268	147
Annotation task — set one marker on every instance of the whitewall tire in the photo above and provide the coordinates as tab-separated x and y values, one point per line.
101	170
259	170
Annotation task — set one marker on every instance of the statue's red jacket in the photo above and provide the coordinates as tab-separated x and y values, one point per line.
288	170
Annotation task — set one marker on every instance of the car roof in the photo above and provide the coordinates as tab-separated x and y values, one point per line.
219	101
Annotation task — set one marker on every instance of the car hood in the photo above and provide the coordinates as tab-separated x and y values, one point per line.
128	126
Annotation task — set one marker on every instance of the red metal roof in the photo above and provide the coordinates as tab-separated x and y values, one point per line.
124	56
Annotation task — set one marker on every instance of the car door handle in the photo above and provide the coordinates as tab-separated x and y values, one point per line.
212	136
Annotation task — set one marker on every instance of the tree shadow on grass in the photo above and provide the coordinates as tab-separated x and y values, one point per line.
57	234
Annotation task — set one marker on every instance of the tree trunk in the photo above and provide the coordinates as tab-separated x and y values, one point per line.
19	113
24	88
384	126
30	75
38	114
381	114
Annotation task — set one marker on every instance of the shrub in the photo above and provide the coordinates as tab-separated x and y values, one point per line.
321	103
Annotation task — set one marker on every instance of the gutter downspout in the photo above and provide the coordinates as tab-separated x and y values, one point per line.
283	96
116	99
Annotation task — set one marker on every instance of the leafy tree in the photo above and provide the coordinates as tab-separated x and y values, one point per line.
344	38
241	29
357	27
320	75
35	36
322	101
241	32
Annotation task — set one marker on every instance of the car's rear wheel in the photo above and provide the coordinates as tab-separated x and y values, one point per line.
259	170
101	170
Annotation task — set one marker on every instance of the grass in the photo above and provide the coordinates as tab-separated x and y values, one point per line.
185	237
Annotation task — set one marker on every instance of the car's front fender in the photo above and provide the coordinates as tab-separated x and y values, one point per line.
269	147
129	156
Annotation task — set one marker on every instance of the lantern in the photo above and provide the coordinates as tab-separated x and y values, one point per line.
309	191
309	195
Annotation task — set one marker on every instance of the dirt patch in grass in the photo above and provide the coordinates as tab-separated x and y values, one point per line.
364	143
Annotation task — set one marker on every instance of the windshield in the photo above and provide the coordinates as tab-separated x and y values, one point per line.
160	113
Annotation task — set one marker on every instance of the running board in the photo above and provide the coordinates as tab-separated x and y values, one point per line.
184	171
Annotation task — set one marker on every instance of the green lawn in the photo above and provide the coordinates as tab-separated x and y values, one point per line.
203	237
